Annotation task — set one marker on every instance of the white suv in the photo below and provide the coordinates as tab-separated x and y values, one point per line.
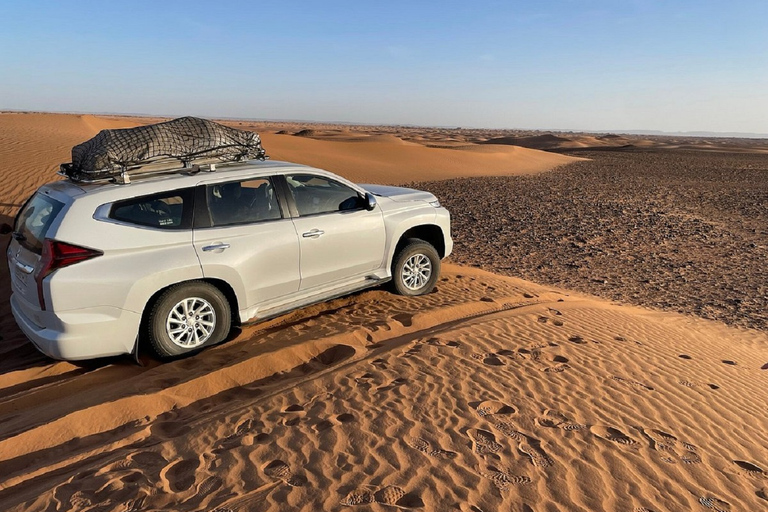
174	260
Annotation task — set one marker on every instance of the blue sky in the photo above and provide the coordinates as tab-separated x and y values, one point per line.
582	65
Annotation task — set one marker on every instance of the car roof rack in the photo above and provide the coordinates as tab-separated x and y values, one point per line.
146	170
183	145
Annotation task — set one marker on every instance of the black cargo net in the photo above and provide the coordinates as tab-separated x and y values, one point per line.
180	142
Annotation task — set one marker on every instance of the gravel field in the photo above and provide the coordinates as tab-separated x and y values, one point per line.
677	230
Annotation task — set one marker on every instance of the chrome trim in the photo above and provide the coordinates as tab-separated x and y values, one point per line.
315	233
27	269
216	247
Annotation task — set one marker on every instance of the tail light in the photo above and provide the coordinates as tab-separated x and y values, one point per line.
58	255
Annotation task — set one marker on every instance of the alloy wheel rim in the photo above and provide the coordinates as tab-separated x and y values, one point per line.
191	322
416	272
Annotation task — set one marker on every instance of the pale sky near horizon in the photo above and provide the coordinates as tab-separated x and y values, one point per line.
596	65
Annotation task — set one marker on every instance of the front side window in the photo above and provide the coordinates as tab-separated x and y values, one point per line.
168	210
242	202
317	194
34	219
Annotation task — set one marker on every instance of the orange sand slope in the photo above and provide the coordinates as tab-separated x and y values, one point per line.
493	393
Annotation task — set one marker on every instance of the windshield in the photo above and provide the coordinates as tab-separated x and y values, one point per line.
33	221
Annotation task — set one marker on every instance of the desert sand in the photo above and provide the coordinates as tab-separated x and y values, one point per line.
492	393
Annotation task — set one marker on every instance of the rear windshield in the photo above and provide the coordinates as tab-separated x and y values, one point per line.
34	219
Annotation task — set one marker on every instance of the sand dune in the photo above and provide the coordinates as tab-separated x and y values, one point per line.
492	393
384	161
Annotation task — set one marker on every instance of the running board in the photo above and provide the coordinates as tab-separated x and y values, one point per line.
316	299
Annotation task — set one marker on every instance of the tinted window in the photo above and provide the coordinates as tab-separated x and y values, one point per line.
242	202
34	219
169	210
316	194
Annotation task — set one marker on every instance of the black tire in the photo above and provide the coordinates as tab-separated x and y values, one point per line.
415	268
210	326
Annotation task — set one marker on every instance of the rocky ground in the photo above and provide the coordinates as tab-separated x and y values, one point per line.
682	231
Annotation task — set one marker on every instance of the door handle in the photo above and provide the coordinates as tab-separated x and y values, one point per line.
216	247
315	233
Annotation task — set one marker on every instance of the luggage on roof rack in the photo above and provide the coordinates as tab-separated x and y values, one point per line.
168	146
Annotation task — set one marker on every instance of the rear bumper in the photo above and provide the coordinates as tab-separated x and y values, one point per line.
80	334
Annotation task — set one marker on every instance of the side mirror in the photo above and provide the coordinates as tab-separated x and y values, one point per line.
5	228
370	201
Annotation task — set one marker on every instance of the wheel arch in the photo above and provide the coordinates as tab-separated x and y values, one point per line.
430	233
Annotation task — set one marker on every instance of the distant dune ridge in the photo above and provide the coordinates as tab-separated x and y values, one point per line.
493	393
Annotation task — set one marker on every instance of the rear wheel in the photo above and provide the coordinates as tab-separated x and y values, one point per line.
187	317
415	268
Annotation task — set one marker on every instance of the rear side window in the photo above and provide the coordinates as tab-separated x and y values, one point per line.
167	210
34	219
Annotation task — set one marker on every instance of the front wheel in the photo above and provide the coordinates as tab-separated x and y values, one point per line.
187	317
415	268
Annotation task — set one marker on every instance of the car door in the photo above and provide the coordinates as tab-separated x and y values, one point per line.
243	237
340	239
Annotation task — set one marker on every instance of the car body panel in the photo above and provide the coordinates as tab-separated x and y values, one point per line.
339	246
256	271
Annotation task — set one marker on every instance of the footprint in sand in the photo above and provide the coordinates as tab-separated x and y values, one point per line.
687	383
555	419
667	443
715	504
489	407
180	475
508	429
483	442
750	469
209	486
424	446
279	470
613	435
684	356
558	368
578	340
532	448
503	479
534	354
391	495
633	383
489	358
